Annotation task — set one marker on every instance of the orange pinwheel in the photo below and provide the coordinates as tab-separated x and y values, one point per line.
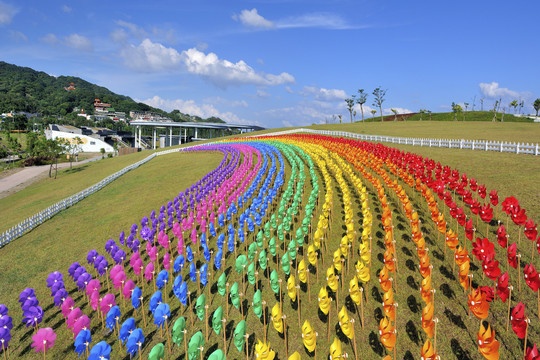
429	352
388	304
384	279
421	247
464	274
441	224
488	346
461	255
427	319
389	261
478	304
425	289
387	333
425	269
451	240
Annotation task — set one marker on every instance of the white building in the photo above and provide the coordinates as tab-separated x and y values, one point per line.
89	144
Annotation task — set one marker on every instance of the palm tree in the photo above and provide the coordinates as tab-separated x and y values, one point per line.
361	100
350	105
379	99
395	114
536	105
373	112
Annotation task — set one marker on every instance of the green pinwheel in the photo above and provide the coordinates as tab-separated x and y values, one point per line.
267	230
305	227
273	221
286	264
216	320
199	306
257	303
239	333
157	352
299	237
281	237
222	282
251	273
178	330
259	239
292	249
262	260
240	264
235	297
251	251
272	246
274	283
217	355
195	344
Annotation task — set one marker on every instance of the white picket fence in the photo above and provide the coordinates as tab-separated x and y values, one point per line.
44	215
485	145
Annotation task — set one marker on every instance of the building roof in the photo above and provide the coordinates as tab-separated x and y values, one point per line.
198	125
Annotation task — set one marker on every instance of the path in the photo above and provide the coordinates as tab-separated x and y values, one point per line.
29	175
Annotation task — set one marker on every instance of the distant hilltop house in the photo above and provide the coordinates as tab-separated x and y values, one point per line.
104	110
148	116
71	87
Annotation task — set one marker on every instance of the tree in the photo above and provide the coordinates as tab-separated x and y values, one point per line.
422	112
379	95
340	116
395	114
481	104
495	110
466	106
456	108
115	147
71	147
373	112
536	105
53	148
514	104
361	100
102	151
350	105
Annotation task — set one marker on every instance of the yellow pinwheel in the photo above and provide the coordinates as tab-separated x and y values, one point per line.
331	279
295	356
337	260
354	291
309	337
324	300
362	272
312	255
291	288
263	352
365	255
277	318
344	245
345	323
335	349
302	275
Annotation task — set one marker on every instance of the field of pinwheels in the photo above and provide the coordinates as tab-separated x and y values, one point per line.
298	246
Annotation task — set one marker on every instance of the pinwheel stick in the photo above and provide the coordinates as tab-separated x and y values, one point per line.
206	320
143	315
185	341
526	334
518	271
285	332
298	300
362	306
509	301
224	339
280	305
308	287
227	298
436	321
247	344
329	321
190	308
354	340
168	335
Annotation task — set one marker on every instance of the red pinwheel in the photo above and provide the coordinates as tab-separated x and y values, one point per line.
518	215
532	353
475	207
482	191
502	287
512	255
488	292
43	340
469	229
461	217
519	320
486	213
493	197
483	249
531	276
491	268
467	198
531	230
502	236
473	185
509	204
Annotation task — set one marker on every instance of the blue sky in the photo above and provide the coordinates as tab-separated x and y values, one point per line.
283	62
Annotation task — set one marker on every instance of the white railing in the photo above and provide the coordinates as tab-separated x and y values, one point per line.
44	215
485	145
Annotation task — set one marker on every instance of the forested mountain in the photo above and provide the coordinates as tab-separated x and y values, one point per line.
28	90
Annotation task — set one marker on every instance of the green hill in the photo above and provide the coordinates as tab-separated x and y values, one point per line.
28	90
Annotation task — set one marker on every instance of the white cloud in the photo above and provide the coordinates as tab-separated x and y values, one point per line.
324	94
262	94
149	56
223	72
135	30
226	102
7	12
252	18
119	35
78	42
399	110
492	90
17	36
315	20
66	9
289	90
50	39
192	108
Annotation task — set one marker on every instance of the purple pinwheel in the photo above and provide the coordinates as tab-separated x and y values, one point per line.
119	256
73	267
6	322
56	287
83	280
80	270
29	302
33	316
59	297
109	245
114	249
43	340
126	329
5	337
134	342
3	310
129	240
113	316
73	316
136	245
82	341
134	229
82	323
102	267
100	351
26	294
53	278
121	238
98	260
91	257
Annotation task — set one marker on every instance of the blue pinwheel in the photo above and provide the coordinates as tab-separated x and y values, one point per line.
155	300
220	241
193	272
221	220
113	316
182	293
162	279
100	351
251	226
212	229
82	341
135	341
161	314
206	253
241	234
230	243
126	329
136	295
203	275
178	264
203	239
217	259
189	254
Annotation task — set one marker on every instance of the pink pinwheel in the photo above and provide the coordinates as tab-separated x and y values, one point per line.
166	261
194	236
133	259
115	270
107	303
152	253
95	300
164	241
128	288
149	272
180	245
67	306
43	340
73	316
82	323
119	280
93	286
138	267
